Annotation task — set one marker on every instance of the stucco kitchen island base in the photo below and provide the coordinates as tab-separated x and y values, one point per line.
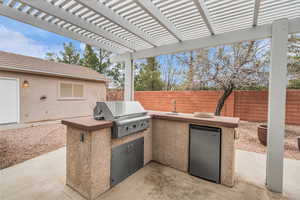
86	158
89	146
171	147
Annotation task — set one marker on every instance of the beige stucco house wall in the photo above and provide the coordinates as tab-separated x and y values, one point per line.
41	100
32	108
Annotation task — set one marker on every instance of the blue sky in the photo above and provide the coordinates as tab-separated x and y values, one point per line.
20	38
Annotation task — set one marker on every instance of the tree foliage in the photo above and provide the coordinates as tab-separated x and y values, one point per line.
69	55
149	76
191	76
90	59
116	73
226	68
94	58
171	72
294	62
99	60
294	84
51	56
294	57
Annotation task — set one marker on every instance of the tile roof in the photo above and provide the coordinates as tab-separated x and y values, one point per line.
27	64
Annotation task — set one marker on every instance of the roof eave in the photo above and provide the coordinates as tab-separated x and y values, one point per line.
45	73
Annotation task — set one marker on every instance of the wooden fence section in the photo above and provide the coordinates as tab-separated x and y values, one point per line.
248	105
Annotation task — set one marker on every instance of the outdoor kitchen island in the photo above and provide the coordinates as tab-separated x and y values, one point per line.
166	141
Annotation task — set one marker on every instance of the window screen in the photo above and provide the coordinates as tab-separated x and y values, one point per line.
71	90
66	90
77	90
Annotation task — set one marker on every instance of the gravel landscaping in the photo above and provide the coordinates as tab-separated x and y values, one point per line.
248	140
18	145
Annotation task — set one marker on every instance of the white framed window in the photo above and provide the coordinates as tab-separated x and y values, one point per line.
69	90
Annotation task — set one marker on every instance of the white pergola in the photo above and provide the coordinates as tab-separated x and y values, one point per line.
135	29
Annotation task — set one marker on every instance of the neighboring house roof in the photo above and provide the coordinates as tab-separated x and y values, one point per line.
27	64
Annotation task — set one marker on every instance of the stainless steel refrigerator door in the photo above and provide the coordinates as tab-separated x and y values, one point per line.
204	158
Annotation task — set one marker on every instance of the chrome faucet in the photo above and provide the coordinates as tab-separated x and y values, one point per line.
174	105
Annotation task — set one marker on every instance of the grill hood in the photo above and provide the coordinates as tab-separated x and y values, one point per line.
128	116
117	110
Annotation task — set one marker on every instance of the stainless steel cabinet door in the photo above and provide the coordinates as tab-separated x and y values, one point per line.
126	159
204	158
136	155
119	164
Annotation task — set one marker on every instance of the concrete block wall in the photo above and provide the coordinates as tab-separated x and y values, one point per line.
248	105
293	107
251	105
186	101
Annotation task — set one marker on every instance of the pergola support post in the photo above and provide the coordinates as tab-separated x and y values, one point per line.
129	79
276	106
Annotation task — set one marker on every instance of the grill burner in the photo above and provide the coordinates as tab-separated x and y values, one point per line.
128	116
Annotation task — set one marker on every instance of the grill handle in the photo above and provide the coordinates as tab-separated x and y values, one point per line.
127	121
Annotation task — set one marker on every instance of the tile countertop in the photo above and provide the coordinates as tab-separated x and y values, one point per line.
229	122
87	123
90	124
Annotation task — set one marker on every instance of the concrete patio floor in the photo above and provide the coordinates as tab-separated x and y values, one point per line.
43	178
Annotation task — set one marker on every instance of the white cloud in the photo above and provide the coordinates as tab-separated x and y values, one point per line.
16	42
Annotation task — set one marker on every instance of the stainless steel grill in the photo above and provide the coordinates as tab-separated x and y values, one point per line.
128	116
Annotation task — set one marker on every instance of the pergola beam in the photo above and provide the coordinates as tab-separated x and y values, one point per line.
129	79
200	4
98	7
29	19
53	10
256	12
255	33
155	13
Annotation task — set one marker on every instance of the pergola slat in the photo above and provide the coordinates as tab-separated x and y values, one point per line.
64	3
110	15
140	25
259	32
11	3
28	19
60	13
155	13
